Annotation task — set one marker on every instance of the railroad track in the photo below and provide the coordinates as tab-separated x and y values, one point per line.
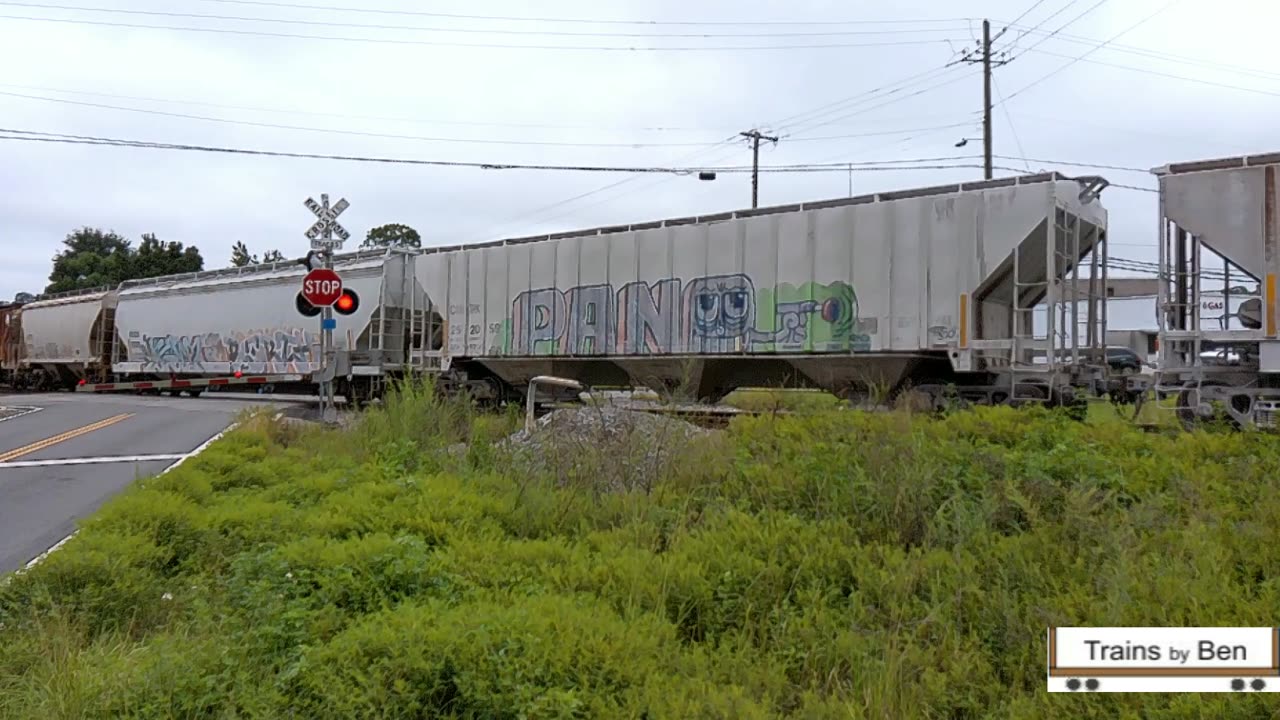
714	417
709	417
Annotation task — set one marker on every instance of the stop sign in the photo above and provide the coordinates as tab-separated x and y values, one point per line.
321	287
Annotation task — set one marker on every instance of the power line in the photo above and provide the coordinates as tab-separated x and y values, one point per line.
1025	13
1157	73
1045	21
303	128
1126	31
31	135
900	98
508	18
421	121
443	43
1009	119
1067	24
482	31
481	141
1166	56
811	114
1018	19
1144	171
830	107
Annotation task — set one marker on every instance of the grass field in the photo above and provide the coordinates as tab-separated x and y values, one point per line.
827	564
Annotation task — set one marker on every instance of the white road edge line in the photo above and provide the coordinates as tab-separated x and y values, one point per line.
26	410
181	459
88	460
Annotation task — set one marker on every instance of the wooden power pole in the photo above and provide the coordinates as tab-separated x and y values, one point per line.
987	65
756	137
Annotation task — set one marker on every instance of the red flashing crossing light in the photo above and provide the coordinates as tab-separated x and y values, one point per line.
347	303
238	373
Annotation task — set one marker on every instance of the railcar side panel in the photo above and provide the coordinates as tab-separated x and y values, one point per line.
879	276
61	331
245	322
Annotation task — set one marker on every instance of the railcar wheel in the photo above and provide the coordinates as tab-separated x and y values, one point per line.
1027	394
1195	411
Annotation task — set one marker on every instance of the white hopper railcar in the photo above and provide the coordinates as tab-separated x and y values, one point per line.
1219	236
928	288
65	338
247	320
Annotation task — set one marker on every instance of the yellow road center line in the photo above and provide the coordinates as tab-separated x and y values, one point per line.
63	437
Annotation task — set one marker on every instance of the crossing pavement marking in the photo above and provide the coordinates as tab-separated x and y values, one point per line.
90	460
62	437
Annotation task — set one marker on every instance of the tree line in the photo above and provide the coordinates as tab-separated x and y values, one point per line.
93	257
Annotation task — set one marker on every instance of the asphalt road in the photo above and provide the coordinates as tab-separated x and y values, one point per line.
56	462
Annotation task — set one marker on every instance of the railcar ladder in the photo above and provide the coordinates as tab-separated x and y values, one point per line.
105	346
1025	341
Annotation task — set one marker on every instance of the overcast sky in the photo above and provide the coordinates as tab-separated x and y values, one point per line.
557	106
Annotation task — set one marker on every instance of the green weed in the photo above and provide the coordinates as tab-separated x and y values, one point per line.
830	563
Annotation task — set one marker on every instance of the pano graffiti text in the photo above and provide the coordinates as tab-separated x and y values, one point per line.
269	350
713	314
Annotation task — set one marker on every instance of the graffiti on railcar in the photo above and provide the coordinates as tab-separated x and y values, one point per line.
715	314
268	350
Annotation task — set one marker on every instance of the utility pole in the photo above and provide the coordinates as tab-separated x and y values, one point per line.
756	137
987	65
986	98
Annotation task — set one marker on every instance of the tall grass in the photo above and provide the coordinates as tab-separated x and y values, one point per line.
821	565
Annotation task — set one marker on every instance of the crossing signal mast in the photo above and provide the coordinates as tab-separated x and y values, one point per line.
322	291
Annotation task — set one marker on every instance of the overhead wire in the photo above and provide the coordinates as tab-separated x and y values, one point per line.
1026	12
890	101
1168	56
1015	21
1044	22
813	113
995	81
19	134
490	46
333	131
347	116
510	18
16	133
1157	73
1096	48
483	31
400	119
793	122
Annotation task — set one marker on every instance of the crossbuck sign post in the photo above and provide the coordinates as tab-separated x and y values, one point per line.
321	234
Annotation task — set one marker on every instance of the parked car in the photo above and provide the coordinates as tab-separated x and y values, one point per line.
1123	360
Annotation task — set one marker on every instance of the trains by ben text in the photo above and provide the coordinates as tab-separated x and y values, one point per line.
992	291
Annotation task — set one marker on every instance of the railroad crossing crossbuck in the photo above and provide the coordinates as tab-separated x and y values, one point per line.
327	222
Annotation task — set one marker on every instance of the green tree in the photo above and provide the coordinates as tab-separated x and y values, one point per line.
92	257
155	258
392	235
240	256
